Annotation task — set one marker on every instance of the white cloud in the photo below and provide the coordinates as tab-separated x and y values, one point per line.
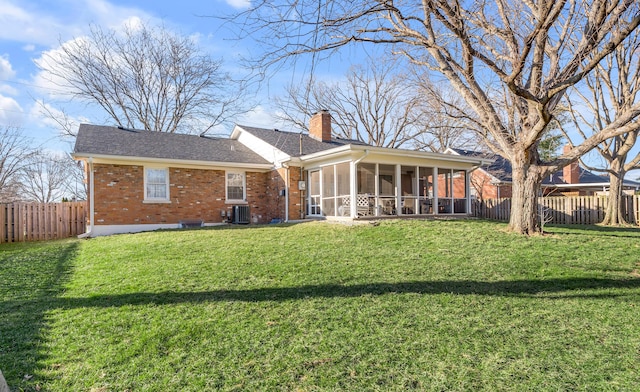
239	3
6	71
32	23
10	112
47	84
257	117
8	90
50	117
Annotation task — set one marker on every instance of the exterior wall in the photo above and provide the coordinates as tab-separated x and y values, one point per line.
296	197
484	189
194	194
276	202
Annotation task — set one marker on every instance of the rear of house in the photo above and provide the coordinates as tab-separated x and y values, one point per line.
142	180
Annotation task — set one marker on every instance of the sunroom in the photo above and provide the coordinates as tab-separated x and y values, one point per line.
357	182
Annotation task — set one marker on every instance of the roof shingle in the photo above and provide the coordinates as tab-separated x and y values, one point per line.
114	141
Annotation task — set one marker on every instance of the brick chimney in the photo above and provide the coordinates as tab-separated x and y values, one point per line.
571	172
320	126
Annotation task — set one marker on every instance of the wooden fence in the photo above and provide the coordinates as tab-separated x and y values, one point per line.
41	221
579	210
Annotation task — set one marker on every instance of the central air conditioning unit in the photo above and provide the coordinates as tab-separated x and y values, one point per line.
240	215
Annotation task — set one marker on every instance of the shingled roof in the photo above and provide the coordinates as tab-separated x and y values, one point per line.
121	142
289	142
501	169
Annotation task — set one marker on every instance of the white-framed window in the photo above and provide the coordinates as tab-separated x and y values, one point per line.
156	184
236	186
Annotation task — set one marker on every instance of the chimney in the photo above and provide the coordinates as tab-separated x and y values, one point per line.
571	172
320	126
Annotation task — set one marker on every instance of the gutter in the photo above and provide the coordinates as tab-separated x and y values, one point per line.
91	201
366	152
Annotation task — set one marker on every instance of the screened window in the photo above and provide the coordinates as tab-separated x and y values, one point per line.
156	184
387	180
235	186
367	178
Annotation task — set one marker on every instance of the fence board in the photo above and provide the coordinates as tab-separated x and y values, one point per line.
41	221
582	210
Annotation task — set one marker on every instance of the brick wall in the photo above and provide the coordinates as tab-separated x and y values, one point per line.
484	189
276	202
194	194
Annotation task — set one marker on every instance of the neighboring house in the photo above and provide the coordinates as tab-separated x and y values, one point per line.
493	181
142	180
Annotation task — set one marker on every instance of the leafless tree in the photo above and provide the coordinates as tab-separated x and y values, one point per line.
45	177
443	119
75	186
511	61
145	77
608	93
15	149
374	104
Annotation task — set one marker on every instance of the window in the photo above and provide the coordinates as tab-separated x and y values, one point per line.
156	182
235	186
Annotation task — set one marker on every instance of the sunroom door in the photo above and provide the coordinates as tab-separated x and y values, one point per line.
314	193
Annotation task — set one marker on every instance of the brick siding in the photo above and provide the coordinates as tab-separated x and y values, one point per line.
194	194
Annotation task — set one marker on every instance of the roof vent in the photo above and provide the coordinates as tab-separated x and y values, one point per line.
126	129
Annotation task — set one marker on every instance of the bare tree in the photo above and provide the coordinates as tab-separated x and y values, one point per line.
45	177
608	93
15	149
511	61
374	104
75	186
144	77
443	119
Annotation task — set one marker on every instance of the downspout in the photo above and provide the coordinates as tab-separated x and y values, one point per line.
366	152
302	193
91	201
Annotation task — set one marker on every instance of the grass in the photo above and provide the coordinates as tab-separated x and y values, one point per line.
405	305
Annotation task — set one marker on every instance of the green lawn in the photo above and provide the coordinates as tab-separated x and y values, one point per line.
404	305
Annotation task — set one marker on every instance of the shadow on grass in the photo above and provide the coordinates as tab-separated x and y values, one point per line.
552	288
31	278
597	230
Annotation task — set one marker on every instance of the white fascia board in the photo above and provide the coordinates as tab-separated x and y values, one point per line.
394	154
259	146
577	185
210	165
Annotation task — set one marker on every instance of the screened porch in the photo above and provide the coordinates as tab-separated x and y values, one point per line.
361	190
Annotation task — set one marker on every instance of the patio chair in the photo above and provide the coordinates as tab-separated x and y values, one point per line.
345	208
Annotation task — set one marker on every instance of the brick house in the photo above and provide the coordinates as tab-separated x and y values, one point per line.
493	181
141	180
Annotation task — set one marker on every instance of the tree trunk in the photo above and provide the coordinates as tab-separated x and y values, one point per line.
526	180
614	214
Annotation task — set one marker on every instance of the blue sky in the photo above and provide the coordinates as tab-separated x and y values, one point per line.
30	28
33	27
